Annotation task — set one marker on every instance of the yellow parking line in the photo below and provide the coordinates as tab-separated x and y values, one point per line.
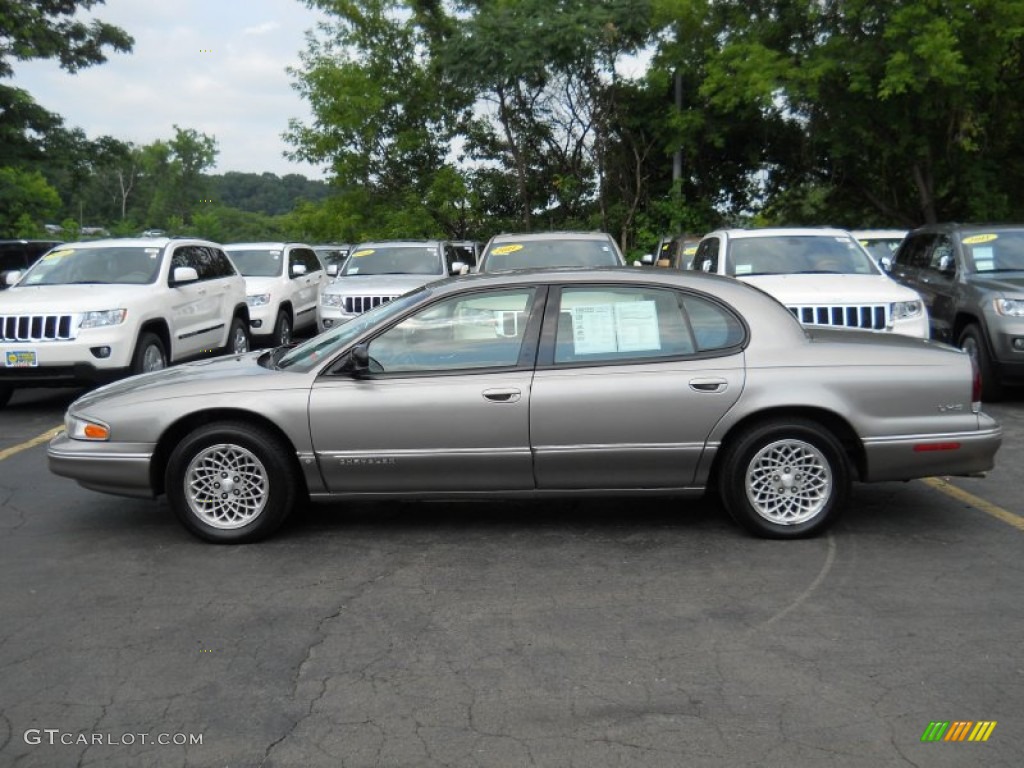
46	437
970	499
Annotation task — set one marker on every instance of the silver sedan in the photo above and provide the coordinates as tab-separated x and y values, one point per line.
541	384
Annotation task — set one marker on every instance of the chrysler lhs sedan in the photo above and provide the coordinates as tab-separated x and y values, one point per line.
541	384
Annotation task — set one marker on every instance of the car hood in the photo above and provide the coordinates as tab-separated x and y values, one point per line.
1005	282
390	284
260	284
82	298
831	289
218	376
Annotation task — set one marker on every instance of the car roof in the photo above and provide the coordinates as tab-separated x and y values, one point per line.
551	236
135	242
737	233
397	243
868	234
257	246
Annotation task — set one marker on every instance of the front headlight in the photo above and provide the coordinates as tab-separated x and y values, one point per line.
1010	307
332	299
104	318
904	310
258	299
84	429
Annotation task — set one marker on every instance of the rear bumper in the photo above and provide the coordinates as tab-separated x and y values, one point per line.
911	456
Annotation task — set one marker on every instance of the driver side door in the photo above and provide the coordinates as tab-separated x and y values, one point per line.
444	407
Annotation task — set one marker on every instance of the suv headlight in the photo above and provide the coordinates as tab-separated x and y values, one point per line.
1010	307
332	299
904	310
104	318
83	429
258	299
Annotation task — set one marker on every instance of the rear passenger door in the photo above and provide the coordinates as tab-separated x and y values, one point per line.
305	287
629	383
197	324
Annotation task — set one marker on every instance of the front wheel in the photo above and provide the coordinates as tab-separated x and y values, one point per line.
238	337
230	483
283	329
973	343
784	479
150	354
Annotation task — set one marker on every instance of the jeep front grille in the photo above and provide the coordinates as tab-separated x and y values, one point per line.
356	305
36	328
874	317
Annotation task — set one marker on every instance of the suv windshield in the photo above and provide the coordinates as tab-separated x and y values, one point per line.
132	265
994	251
796	254
545	254
395	260
264	262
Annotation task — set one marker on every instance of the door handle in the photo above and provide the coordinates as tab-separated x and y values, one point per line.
709	385
502	395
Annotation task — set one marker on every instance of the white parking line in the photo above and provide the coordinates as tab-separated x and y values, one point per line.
944	486
46	437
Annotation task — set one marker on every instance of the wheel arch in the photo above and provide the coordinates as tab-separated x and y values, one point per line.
159	327
840	428
962	320
177	431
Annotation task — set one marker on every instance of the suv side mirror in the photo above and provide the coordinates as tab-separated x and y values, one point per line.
458	268
946	265
184	275
647	260
332	270
11	277
885	263
298	270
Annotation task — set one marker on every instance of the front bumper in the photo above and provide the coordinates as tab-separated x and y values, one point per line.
118	468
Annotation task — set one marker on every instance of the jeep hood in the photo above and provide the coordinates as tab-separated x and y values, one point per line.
380	284
1004	282
69	299
835	289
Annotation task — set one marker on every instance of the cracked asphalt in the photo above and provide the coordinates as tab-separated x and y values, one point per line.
613	633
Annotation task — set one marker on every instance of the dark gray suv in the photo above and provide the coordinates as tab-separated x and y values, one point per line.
971	277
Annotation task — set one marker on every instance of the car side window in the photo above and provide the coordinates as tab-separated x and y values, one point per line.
636	323
218	263
480	330
915	250
305	258
941	258
706	259
714	327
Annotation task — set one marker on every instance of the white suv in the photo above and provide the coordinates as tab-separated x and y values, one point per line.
96	311
283	283
822	275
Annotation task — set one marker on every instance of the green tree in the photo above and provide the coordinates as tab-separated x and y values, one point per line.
25	197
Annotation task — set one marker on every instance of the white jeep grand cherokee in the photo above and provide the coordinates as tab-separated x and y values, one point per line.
822	275
95	311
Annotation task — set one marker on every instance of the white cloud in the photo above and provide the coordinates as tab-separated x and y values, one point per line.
217	66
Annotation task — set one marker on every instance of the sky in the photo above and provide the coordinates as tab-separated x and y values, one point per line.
216	66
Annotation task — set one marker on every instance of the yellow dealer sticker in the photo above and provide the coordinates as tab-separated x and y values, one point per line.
977	239
54	255
501	250
364	252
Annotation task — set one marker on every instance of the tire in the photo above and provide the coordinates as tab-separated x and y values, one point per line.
802	503
246	466
972	341
282	329
5	395
150	354
238	338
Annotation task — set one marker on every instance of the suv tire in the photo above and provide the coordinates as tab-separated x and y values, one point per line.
972	341
238	338
150	354
282	329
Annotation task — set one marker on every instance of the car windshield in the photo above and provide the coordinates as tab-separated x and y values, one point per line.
394	260
507	255
314	352
257	262
1001	251
798	254
128	265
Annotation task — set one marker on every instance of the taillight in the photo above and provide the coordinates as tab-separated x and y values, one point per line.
975	385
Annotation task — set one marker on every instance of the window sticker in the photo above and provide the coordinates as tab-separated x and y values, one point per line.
689	250
744	269
978	239
502	250
984	259
625	327
58	255
364	252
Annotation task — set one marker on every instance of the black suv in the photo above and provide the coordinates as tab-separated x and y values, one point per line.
19	255
971	277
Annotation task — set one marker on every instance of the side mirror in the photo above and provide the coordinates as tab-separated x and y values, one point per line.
332	270
946	265
298	270
11	277
184	275
885	263
647	259
360	359
458	268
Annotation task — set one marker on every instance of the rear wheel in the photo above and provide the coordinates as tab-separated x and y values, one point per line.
972	341
283	328
230	483
784	479
150	354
